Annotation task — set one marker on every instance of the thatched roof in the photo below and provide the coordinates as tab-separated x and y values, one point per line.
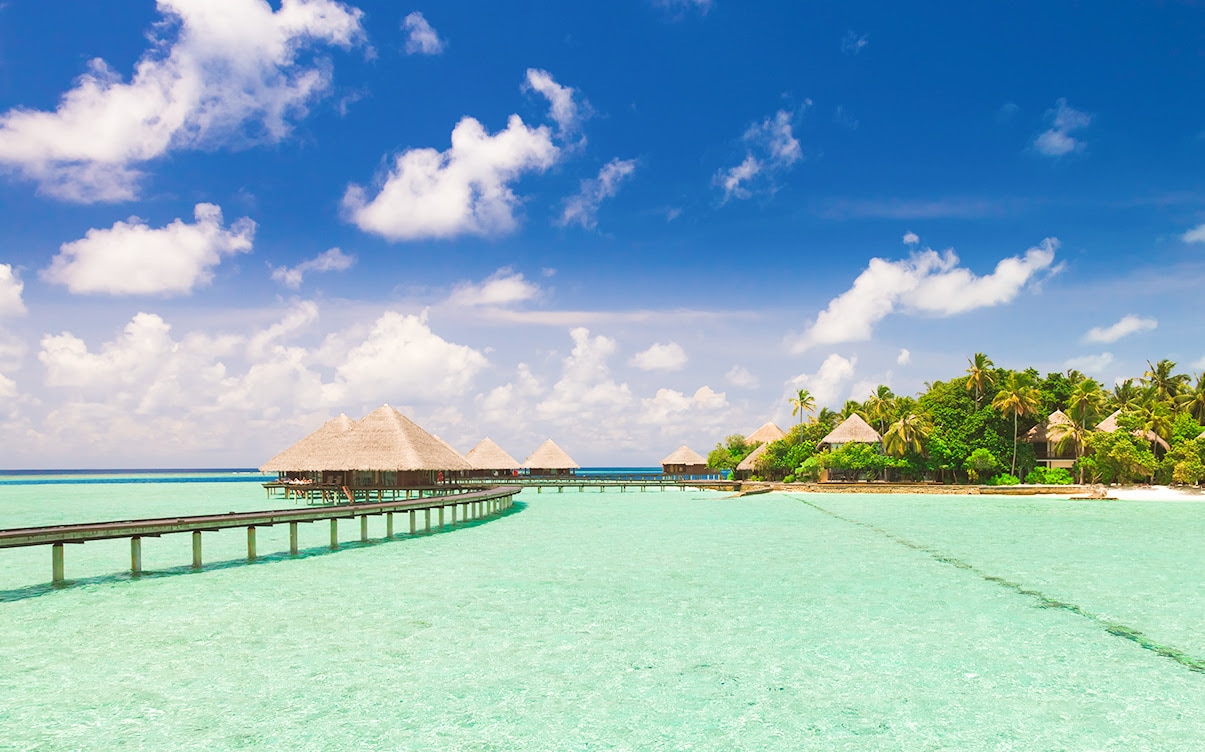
749	462
384	440
1109	425
767	433
489	456
852	429
684	455
549	456
1040	432
295	456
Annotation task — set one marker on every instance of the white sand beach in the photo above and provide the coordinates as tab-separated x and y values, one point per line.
1156	493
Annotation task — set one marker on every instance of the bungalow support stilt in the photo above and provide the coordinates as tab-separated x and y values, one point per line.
364	529
427	514
389	524
413	515
250	544
196	549
135	556
334	533
293	538
56	564
441	518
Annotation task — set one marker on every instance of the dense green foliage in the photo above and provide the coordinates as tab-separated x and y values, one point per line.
971	428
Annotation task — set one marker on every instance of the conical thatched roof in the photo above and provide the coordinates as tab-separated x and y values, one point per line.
767	433
549	456
384	440
684	455
489	456
1041	431
749	462
1109	425
295	456
852	429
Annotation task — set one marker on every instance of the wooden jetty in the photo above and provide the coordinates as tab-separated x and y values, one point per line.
472	506
602	483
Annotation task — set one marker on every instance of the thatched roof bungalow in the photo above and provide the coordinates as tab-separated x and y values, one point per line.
550	459
1045	438
492	459
767	433
1109	425
749	465
851	430
684	461
293	459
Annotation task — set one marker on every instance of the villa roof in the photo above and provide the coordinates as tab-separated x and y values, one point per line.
1109	425
1039	432
684	455
767	433
295	456
489	456
549	456
383	440
852	429
749	462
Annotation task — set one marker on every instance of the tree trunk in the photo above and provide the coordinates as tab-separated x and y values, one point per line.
1014	444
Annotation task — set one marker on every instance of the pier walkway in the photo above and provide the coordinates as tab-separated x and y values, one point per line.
602	483
471	506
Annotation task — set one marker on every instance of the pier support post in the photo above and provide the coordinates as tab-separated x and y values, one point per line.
250	544
441	518
413	512
135	556
196	549
56	564
364	528
454	514
427	514
389	524
334	533
293	538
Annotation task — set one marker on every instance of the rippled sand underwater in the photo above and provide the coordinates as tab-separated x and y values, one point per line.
587	620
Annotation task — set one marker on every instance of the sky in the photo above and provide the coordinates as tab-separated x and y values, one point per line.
624	226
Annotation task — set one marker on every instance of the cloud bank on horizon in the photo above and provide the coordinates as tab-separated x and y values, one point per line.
234	220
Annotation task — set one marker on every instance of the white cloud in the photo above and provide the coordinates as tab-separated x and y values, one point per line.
677	7
660	357
904	358
852	43
739	376
1057	140
668	407
11	288
131	258
331	260
1089	363
1195	235
464	190
826	384
564	109
231	72
771	147
927	282
1129	324
503	287
911	238
586	394
421	39
583	208
402	359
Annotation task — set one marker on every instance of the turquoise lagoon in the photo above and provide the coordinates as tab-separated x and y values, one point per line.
660	620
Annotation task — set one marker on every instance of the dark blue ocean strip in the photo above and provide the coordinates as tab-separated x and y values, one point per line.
68	480
1043	601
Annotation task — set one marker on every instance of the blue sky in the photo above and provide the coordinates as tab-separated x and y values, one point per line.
624	225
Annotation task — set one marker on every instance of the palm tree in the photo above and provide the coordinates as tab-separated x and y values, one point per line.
1017	397
909	432
1166	383
1126	394
849	408
1085	402
801	403
880	405
1193	400
1072	432
980	375
827	417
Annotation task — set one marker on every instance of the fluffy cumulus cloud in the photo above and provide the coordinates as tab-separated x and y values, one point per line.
11	288
217	72
421	39
586	395
660	357
904	358
131	258
564	105
330	260
403	359
1126	326
1090	363
928	283
503	287
672	411
1058	140
582	209
741	377
911	238
771	147
827	384
464	190
1195	235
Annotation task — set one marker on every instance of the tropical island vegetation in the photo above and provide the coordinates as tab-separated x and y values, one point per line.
971	429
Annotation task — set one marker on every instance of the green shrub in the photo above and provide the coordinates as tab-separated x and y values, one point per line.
789	479
1004	479
1049	476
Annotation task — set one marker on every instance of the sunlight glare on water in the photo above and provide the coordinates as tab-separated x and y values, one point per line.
588	620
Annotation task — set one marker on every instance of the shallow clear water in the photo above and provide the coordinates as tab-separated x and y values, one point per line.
618	621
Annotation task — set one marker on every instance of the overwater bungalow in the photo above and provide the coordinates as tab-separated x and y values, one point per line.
684	461
378	455
550	460
490	460
767	433
1045	438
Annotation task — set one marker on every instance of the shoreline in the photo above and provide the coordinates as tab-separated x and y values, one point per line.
1075	491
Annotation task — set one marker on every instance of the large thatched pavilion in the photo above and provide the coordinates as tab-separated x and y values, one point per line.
550	459
382	452
684	461
767	433
490	460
